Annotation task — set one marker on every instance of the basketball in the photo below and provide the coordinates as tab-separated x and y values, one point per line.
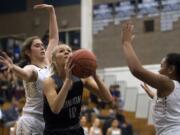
84	63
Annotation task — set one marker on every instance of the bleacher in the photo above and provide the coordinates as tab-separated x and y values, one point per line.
108	14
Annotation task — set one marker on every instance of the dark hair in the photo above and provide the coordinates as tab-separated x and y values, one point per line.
173	59
27	46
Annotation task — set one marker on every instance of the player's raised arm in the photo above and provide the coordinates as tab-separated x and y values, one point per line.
53	28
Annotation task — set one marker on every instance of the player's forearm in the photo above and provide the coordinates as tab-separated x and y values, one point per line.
20	72
61	97
53	26
104	92
132	59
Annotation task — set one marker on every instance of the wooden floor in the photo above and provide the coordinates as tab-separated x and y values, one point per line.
140	126
4	130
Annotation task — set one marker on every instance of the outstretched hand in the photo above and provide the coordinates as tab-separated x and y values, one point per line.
127	33
43	6
6	60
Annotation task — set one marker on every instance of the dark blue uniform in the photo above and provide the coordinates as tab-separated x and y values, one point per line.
66	122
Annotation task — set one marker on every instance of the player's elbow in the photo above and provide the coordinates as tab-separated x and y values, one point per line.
108	99
137	72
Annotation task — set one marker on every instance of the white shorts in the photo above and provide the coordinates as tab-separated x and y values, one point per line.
29	125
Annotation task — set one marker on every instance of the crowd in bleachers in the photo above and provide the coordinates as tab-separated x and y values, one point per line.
107	118
11	88
11	96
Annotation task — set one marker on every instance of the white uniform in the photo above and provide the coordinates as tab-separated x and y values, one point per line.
31	122
166	113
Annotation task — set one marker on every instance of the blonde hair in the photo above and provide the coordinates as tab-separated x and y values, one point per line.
53	59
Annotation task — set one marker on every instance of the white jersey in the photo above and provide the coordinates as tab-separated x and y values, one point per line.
95	131
34	92
116	131
86	130
166	113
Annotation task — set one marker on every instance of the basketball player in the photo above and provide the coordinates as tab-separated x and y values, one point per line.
31	122
63	95
166	112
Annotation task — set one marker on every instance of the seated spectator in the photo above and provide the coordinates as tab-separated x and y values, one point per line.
126	128
19	90
83	122
118	99
16	52
94	98
119	115
114	129
95	128
9	114
7	84
107	124
115	91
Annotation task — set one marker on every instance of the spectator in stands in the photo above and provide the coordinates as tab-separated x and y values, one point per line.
3	84
87	111
94	98
114	129
126	127
7	84
166	113
16	51
31	121
118	99
19	92
83	122
119	115
95	128
115	91
9	114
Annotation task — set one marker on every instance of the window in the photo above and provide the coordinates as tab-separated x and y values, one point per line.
10	6
149	26
74	39
62	2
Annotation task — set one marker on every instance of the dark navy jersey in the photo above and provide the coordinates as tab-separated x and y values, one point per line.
69	114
